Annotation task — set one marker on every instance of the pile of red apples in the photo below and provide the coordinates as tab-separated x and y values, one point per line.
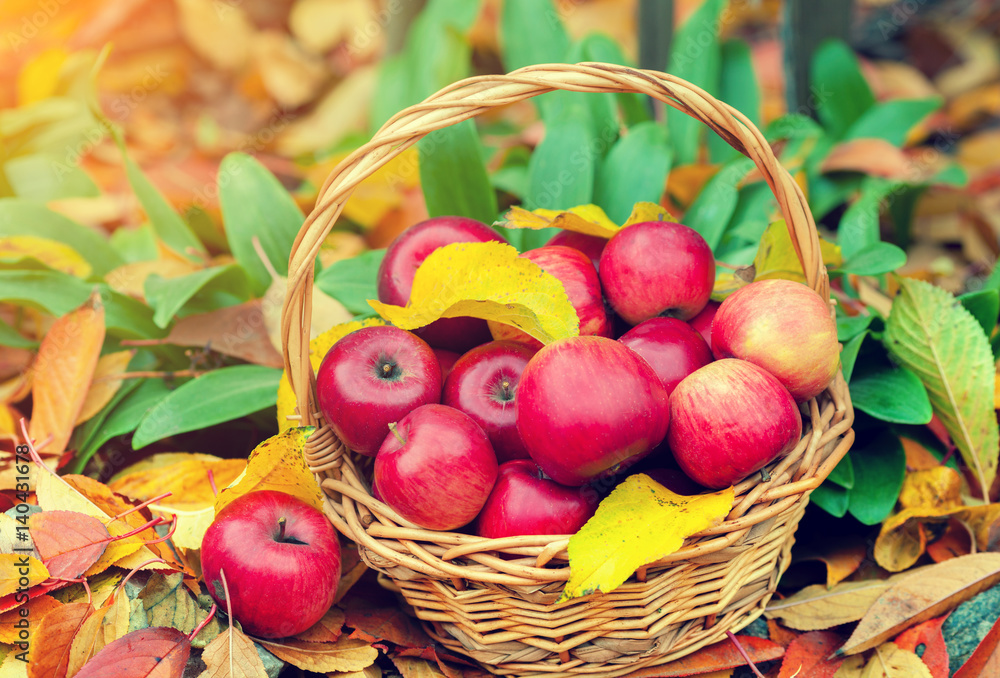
474	424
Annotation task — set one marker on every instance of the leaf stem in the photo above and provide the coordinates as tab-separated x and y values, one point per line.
743	653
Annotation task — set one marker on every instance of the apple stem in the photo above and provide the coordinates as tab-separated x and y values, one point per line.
764	475
281	528
395	432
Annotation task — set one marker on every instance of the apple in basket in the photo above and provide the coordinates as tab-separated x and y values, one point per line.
523	502
784	327
672	348
657	268
372	377
281	559
729	419
436	467
589	406
483	384
591	245
404	256
576	272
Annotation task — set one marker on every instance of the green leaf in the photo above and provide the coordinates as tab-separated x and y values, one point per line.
738	88
600	47
892	394
859	227
453	174
531	32
125	416
827	191
21	217
984	305
167	296
892	120
849	355
831	498
937	338
635	170
256	205
561	170
849	327
40	177
11	337
135	244
841	91
696	57
213	398
876	259
879	470
792	126
394	91
712	209
353	281
843	473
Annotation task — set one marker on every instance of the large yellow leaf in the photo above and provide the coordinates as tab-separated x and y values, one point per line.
486	280
638	523
277	464
52	253
14	566
104	385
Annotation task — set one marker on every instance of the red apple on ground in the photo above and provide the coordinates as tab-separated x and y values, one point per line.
436	468
372	377
657	268
281	558
587	406
483	384
405	254
729	419
578	277
784	327
446	360
591	245
703	321
672	348
525	502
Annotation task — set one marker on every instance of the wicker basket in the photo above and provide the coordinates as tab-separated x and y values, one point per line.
494	600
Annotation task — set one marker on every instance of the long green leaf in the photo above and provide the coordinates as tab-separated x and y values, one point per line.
737	87
892	394
168	296
878	258
531	32
256	205
712	210
352	281
125	416
984	305
892	120
453	174
219	396
561	170
859	227
879	469
635	170
11	337
840	91
938	339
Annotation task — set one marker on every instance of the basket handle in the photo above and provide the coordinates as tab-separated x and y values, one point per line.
466	99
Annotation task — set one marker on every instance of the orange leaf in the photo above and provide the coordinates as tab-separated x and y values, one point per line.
935	652
985	660
373	624
69	543
104	386
53	638
88	641
327	629
157	652
722	655
64	369
347	654
187	479
37	609
956	541
807	655
871	156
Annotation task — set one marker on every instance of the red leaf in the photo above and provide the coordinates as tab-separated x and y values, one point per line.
68	542
157	652
935	653
807	655
723	655
985	661
51	643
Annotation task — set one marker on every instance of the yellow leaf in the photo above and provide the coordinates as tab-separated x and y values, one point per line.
939	487
191	527
221	33
486	280
277	464
586	219
187	480
647	211
318	348
64	368
104	386
892	661
232	655
52	253
39	78
638	523
12	568
347	654
130	278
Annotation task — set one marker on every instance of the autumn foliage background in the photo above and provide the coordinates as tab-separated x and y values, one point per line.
146	141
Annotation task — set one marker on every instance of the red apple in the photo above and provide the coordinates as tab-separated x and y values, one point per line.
578	277
436	468
524	502
657	268
446	360
281	558
405	254
703	321
587	406
729	419
483	384
372	377
784	327
591	245
672	348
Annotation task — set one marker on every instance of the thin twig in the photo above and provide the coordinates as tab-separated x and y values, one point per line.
743	652
152	374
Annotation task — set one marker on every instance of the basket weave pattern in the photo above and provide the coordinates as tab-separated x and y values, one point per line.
494	600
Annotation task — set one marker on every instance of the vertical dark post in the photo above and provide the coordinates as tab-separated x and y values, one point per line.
656	31
807	24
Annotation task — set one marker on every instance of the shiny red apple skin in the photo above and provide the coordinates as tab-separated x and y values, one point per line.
579	278
359	399
703	321
730	419
784	327
591	245
657	268
483	384
439	470
588	406
276	588
672	348
524	502
405	254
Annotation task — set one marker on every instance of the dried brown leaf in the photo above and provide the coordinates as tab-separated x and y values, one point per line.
232	655
347	654
236	331
890	661
327	629
817	607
